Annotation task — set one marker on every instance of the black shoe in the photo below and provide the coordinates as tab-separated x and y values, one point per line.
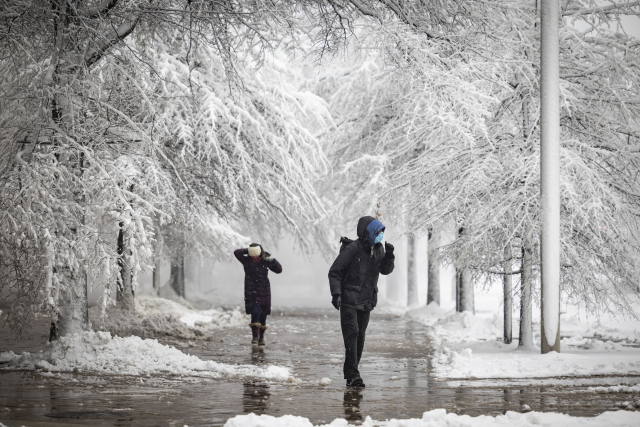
355	382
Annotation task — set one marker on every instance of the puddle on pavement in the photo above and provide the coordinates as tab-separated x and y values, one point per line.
394	367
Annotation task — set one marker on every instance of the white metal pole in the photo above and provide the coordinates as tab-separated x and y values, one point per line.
550	173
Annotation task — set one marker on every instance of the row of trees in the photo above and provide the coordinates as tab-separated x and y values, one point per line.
126	121
133	131
136	132
450	127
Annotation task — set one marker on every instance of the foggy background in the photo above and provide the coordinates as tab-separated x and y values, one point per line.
303	281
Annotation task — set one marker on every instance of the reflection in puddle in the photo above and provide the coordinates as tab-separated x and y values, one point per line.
351	403
255	397
257	354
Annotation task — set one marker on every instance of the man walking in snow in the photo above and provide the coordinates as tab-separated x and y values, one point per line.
353	280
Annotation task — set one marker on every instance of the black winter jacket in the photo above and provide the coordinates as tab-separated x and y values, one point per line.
257	288
354	273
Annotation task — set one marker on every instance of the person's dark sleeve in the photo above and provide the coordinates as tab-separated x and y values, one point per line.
240	254
275	266
388	263
340	267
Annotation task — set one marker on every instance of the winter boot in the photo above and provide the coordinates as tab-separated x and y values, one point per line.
261	339
355	382
255	330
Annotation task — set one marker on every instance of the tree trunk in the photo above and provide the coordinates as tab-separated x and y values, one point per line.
64	69
526	339
73	316
464	291
507	283
550	175
459	282
177	275
464	287
156	275
157	264
467	300
412	277
433	287
124	294
458	289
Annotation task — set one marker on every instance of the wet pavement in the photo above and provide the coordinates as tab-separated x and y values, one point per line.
395	368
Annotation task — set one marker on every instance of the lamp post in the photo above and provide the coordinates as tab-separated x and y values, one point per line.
550	174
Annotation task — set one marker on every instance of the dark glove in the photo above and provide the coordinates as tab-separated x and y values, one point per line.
388	248
336	301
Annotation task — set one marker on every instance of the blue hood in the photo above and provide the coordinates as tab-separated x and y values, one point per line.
372	231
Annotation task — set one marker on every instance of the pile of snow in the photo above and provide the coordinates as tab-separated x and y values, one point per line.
470	346
158	317
622	329
389	306
500	361
440	418
451	326
325	381
148	306
99	352
591	343
616	389
166	292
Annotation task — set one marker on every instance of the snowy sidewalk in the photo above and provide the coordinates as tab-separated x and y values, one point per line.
471	347
308	343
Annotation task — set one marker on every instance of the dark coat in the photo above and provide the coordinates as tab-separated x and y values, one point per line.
354	273
257	288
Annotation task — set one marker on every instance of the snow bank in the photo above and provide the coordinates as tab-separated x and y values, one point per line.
439	418
452	326
470	346
391	307
158	317
99	352
616	389
576	324
511	363
148	306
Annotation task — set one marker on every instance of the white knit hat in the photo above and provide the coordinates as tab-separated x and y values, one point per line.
255	251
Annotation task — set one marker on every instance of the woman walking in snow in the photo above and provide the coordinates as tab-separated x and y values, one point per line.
257	289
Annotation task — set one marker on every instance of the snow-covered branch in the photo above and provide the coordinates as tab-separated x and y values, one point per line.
620	8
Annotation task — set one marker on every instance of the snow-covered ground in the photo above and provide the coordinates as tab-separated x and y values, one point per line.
440	418
100	353
470	346
169	316
148	305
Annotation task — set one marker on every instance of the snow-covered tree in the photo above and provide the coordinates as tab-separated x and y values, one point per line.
114	113
170	91
453	130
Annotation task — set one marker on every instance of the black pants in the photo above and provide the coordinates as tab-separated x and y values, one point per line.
354	326
256	316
